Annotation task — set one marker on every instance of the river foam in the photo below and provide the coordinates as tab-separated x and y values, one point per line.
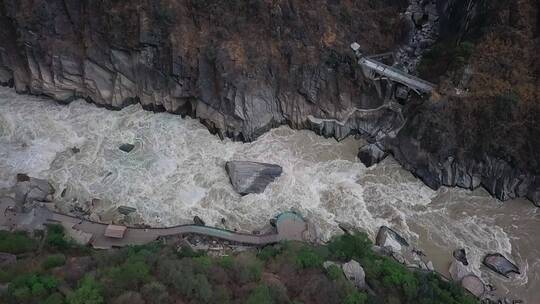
176	171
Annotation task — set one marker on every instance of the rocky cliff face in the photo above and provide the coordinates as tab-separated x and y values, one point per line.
484	130
243	67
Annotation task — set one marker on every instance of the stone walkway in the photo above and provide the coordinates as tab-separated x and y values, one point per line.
289	226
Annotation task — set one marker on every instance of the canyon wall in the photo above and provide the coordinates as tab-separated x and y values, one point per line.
243	67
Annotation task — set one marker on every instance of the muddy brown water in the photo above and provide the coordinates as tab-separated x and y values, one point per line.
176	171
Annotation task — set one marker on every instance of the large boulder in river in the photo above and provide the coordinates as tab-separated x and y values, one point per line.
498	263
251	177
29	189
390	238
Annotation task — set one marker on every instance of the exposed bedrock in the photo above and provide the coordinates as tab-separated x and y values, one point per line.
241	68
498	263
248	66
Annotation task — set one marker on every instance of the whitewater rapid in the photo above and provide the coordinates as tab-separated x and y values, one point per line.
176	171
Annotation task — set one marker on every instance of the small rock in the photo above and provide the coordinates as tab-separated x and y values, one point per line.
125	210
75	150
198	221
251	177
126	147
347	228
398	257
461	255
430	266
355	273
498	263
388	237
21	177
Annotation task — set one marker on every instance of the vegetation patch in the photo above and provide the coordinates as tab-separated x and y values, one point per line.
288	272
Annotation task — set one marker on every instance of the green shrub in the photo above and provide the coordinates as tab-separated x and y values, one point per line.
188	252
268	252
333	272
202	264
397	275
128	276
53	260
222	295
155	293
349	246
260	295
16	243
31	286
89	292
247	269
56	237
308	258
355	297
55	298
226	262
202	290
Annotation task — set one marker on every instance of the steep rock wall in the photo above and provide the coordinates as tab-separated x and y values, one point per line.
242	67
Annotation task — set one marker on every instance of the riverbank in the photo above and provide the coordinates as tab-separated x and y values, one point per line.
169	271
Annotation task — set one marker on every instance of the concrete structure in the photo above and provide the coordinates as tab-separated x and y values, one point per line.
374	69
115	231
289	226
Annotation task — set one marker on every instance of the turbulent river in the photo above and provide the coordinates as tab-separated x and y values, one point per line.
176	171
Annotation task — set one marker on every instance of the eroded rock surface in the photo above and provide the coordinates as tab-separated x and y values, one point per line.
500	264
387	237
251	177
29	189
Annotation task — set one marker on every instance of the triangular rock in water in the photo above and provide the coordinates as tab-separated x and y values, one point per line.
126	147
498	263
125	210
198	221
251	177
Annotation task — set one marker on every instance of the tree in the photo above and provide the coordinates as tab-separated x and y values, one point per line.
260	295
89	292
56	237
355	297
308	258
349	246
16	243
53	260
155	293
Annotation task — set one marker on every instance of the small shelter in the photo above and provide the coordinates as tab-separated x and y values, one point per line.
115	231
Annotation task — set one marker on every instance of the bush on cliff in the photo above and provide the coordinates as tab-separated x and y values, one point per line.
53	260
56	238
16	243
